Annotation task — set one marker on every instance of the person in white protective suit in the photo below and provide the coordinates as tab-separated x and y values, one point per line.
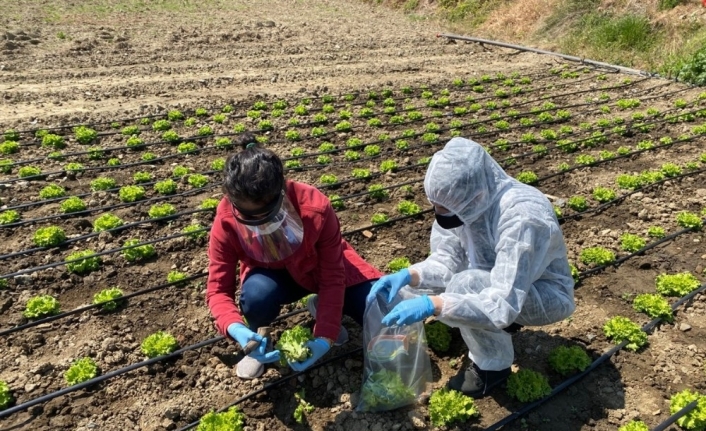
498	260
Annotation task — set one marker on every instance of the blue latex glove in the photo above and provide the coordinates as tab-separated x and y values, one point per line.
391	284
242	334
318	347
409	311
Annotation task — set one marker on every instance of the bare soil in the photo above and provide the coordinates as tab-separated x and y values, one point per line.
110	63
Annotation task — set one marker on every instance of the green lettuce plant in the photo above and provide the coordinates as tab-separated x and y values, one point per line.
49	236
447	406
567	360
108	298
676	284
5	395
654	306
620	329
138	253
52	191
230	420
161	210
292	344
438	336
40	306
634	425
408	208
72	205
384	390
303	407
159	344
87	263
527	385
80	371
597	256
102	183
695	419
106	222
131	193
398	264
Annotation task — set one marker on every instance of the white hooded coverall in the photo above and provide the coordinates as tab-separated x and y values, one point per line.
507	262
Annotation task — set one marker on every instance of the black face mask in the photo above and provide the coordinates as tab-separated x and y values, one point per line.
448	221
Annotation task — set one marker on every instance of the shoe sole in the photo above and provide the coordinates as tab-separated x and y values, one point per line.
244	376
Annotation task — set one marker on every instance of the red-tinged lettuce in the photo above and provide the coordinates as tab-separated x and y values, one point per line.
292	344
447	406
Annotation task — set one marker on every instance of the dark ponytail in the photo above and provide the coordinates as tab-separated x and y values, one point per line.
254	174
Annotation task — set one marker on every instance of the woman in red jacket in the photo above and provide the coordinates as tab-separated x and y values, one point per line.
287	239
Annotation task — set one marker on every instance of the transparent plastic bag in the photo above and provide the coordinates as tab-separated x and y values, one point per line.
397	367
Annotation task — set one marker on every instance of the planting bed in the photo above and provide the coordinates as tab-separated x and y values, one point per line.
575	128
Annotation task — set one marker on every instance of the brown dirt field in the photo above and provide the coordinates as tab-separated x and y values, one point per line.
118	62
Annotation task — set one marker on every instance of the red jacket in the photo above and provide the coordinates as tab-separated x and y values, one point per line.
324	263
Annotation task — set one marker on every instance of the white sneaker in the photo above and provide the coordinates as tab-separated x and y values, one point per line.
249	368
311	305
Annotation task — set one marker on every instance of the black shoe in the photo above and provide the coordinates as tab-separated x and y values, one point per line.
515	327
475	382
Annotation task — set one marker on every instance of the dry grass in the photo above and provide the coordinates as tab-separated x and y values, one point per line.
518	20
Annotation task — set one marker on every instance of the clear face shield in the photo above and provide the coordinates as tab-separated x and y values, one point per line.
272	233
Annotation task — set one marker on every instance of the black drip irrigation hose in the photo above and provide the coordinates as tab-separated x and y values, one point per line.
192	277
99	305
275	384
198	137
111	231
357	94
596	64
570	381
638	252
121	371
622	197
676	416
111	132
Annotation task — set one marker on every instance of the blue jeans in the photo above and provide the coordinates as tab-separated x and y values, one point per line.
265	291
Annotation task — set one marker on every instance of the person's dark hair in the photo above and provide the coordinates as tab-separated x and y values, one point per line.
254	174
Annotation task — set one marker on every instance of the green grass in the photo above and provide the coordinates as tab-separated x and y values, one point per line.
627	40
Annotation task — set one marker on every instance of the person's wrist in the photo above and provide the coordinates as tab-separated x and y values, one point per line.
327	340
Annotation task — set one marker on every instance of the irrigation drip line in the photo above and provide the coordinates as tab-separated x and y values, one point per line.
99	305
109	207
104	377
118	372
676	416
570	381
276	383
640	251
193	111
597	64
111	231
199	137
178	235
626	195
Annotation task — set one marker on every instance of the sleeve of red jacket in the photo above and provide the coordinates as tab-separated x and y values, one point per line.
332	284
222	276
